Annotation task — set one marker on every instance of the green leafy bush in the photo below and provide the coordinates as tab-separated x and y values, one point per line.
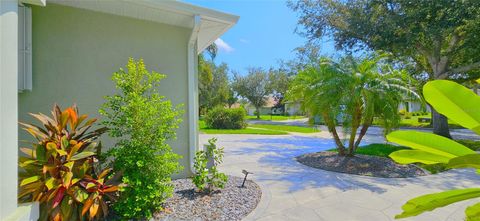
408	115
226	118
207	179
459	104
472	144
142	121
60	170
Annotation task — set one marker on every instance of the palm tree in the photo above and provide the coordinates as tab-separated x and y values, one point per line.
353	92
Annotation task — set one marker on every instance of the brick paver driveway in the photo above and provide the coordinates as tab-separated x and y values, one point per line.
292	191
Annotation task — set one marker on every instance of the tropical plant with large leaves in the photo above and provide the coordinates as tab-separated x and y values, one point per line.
60	170
352	93
461	105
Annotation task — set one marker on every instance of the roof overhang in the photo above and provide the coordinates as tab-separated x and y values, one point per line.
213	23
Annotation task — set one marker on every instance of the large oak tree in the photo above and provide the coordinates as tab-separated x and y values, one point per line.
441	36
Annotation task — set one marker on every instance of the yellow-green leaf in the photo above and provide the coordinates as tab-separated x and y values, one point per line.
80	195
430	202
467	161
51	146
90	185
455	101
64	143
473	212
82	155
61	152
67	178
429	142
29	180
417	156
50	183
69	165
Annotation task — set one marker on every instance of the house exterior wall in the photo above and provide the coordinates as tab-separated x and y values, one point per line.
76	51
293	108
263	111
8	107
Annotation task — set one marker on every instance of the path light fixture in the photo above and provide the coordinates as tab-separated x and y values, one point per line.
245	178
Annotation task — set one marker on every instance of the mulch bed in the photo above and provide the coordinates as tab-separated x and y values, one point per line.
360	165
231	203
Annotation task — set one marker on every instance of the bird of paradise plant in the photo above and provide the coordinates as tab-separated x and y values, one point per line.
60	169
461	105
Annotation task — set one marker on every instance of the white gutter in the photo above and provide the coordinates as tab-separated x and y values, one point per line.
193	91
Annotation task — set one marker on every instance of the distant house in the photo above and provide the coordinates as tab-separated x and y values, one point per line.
65	51
268	108
293	108
413	106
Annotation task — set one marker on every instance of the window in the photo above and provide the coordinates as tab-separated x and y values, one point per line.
24	48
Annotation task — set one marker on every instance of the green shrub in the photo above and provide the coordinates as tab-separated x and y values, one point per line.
142	121
402	112
472	144
207	179
226	118
408	115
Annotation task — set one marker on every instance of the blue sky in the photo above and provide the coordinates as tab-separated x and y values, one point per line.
263	35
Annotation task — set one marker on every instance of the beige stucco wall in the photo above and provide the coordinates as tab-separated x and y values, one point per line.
75	52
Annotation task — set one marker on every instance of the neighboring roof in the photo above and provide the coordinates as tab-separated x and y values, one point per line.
213	23
270	102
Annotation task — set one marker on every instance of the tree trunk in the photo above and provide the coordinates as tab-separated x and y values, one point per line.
362	133
258	112
440	124
331	128
356	118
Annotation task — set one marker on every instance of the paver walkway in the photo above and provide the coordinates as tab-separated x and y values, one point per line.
292	191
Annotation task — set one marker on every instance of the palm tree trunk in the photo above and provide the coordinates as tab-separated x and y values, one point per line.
356	117
331	128
362	133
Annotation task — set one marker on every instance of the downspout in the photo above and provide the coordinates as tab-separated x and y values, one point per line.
193	92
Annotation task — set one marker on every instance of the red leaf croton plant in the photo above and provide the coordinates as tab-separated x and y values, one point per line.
61	170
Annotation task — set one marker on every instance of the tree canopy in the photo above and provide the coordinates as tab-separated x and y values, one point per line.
352	93
441	36
254	87
214	88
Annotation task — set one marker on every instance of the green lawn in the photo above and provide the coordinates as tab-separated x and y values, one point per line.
383	150
413	122
243	131
265	129
288	128
274	117
204	129
377	149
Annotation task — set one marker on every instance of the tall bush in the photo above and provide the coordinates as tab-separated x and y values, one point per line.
142	121
226	118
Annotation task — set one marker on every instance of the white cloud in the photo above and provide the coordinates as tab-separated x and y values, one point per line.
223	46
245	41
